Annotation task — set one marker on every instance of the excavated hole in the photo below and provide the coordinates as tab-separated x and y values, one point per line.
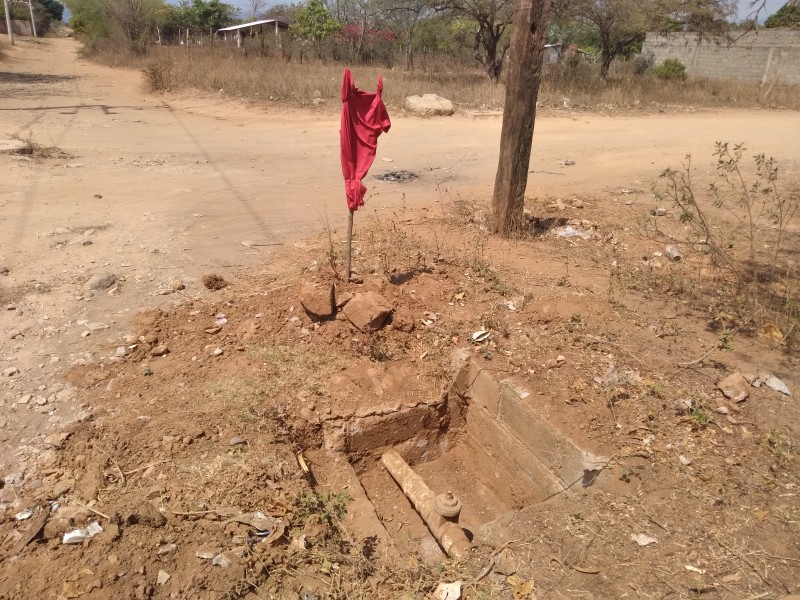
486	445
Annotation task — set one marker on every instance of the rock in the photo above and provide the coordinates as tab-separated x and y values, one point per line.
159	350
101	281
63	487
162	578
777	385
217	352
4	270
319	301
177	285
207	553
56	440
40	400
66	395
166	549
25	399
735	387
658	212
10	371
429	105
343	299
402	322
368	311
145	514
237	441
14	333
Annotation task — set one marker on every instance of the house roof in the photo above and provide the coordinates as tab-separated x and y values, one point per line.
280	24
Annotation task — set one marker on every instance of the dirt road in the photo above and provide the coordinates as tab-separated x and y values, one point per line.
125	200
155	189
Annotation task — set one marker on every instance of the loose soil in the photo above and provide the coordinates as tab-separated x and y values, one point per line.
187	421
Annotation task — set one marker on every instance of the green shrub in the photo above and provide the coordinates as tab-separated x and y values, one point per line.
671	68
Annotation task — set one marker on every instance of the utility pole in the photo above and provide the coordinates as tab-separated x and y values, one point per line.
33	21
8	22
523	75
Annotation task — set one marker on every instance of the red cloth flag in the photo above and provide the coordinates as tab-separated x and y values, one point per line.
364	118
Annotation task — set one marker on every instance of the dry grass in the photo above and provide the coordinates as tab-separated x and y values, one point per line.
271	79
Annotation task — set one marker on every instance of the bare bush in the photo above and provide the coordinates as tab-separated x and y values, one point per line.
743	222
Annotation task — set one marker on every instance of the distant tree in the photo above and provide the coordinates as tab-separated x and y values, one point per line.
492	26
282	12
621	25
134	20
786	16
313	24
53	8
89	20
206	15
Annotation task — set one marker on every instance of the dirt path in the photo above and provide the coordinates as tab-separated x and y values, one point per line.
157	189
151	193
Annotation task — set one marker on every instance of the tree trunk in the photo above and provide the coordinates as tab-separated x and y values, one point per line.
605	63
531	20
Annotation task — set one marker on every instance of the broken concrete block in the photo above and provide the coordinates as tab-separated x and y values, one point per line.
735	387
318	300
368	311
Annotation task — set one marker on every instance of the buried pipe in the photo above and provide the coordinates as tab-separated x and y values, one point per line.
435	511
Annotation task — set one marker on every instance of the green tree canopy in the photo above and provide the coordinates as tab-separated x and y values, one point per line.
786	16
314	23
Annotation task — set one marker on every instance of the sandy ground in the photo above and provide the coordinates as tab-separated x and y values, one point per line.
158	191
168	188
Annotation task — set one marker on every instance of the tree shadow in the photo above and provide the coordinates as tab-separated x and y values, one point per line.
29	78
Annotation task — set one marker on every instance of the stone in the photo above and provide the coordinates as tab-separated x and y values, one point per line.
14	333
177	285
217	352
735	387
11	371
4	270
207	553
25	399
166	549
237	441
159	350
101	281
343	299
66	395
367	311
162	577
56	440
429	105
319	301
63	487
777	385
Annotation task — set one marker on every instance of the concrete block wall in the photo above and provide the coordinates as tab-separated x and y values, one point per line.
18	26
761	57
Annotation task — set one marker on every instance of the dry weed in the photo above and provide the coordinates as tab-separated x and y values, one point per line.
268	77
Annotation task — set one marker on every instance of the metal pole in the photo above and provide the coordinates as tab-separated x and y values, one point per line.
33	21
348	248
8	22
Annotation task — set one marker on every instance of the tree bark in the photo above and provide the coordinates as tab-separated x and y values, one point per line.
531	20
